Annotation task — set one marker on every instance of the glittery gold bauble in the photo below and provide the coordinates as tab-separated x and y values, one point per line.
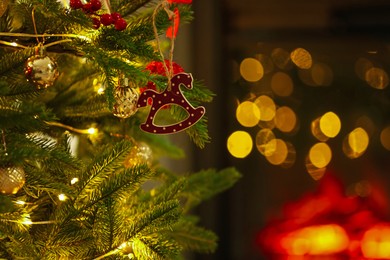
138	155
126	98
11	179
41	70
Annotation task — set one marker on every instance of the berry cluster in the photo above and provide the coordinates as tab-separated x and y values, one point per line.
92	7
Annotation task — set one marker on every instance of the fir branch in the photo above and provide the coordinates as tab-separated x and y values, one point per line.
104	167
158	217
92	109
192	237
158	245
111	39
14	59
105	225
205	184
128	7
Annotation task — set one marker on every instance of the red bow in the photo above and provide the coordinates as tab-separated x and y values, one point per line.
172	30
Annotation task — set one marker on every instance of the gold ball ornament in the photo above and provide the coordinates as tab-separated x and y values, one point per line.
126	98
140	154
12	179
41	70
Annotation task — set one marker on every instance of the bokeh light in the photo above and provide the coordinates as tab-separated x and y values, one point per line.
266	62
322	74
306	76
285	119
265	142
281	58
367	124
301	58
385	138
239	144
356	143
248	114
315	172
376	242
377	78
267	107
279	156
330	124
320	155
326	126
316	240
362	65
282	84
251	70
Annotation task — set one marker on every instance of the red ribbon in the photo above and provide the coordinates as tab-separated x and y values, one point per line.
172	30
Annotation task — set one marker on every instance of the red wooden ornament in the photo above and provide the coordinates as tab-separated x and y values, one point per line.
170	96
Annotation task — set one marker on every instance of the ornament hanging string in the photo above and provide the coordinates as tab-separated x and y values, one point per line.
35	27
168	70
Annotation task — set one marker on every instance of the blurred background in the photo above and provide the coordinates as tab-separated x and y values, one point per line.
301	93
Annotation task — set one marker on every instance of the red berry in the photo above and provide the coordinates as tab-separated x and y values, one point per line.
87	8
75	4
106	19
120	24
115	16
95	5
96	23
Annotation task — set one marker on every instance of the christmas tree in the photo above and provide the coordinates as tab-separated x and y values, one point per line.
79	178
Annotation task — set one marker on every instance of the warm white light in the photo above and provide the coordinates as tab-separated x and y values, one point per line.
14	44
92	131
74	180
20	202
100	91
27	220
62	197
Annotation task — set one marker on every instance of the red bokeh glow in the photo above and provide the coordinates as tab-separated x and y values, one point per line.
328	223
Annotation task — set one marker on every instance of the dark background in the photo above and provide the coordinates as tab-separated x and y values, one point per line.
335	32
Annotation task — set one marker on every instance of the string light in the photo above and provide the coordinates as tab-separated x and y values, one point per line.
74	180
62	197
90	131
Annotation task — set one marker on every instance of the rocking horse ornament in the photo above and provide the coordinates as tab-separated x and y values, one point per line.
171	95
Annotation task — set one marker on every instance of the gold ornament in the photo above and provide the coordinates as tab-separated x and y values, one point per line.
41	70
140	153
126	98
11	179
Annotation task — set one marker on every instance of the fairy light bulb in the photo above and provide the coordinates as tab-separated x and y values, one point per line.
92	130
74	180
62	197
26	220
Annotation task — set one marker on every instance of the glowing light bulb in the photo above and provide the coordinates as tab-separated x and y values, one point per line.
20	202
74	180
14	44
92	130
62	197
26	220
